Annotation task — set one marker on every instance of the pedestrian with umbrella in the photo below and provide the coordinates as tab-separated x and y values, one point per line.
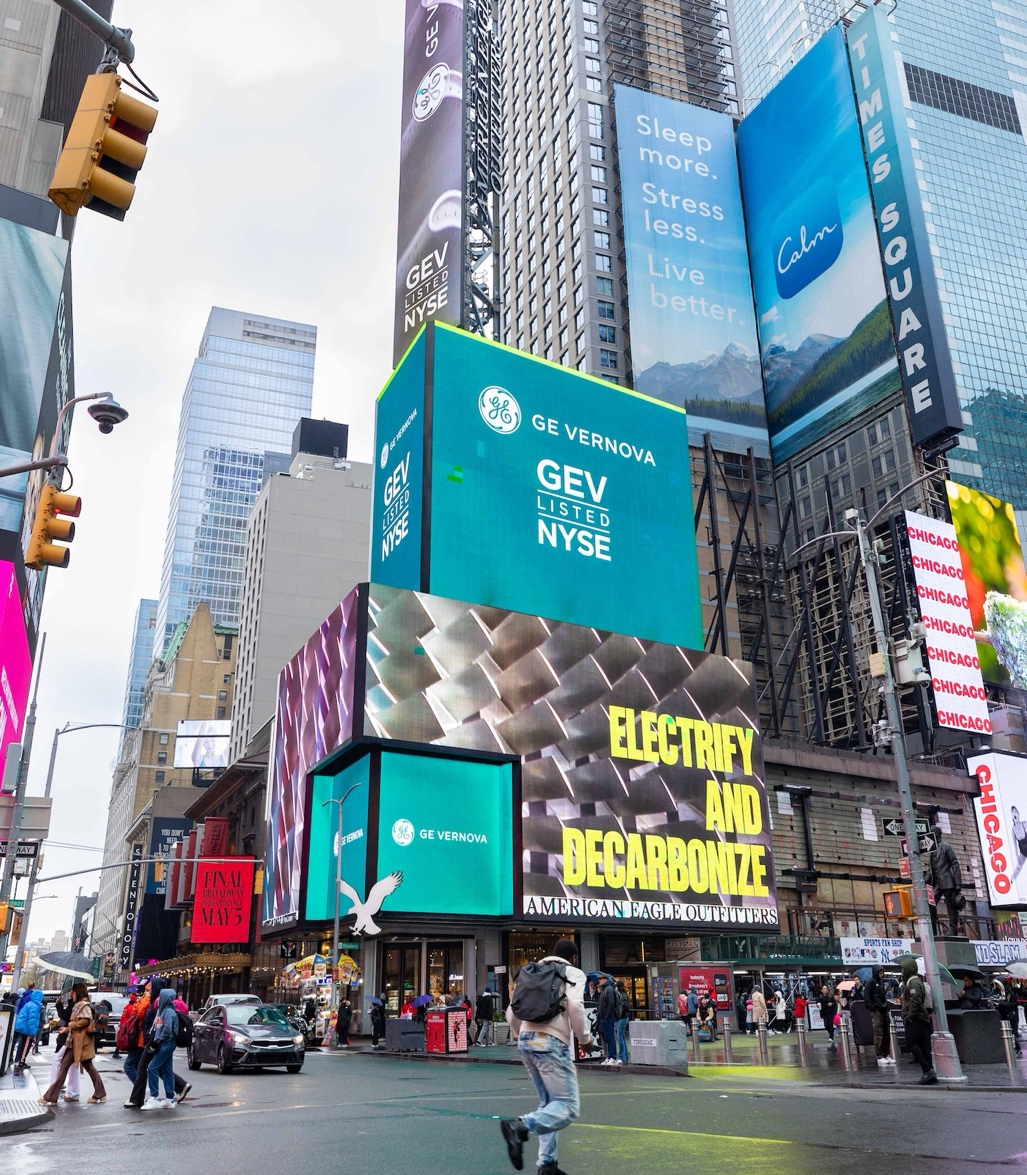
81	1052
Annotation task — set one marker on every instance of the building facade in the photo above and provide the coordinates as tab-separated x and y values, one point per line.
317	514
249	385
139	665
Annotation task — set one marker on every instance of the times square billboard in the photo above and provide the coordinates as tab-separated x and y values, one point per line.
639	792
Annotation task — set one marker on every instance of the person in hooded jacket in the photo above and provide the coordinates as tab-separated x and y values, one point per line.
138	1094
161	1067
916	1020
26	1025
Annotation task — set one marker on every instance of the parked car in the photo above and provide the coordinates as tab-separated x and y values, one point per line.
240	1035
231	997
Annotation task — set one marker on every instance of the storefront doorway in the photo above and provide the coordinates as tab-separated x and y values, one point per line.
401	970
446	969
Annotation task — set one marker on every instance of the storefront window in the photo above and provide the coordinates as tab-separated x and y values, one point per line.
525	948
402	970
446	968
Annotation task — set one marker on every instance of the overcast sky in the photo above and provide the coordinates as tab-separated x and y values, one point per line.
270	186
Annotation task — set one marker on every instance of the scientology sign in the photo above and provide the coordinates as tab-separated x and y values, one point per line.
516	483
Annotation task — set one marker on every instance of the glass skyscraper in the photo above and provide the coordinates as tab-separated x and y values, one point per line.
966	75
139	664
250	384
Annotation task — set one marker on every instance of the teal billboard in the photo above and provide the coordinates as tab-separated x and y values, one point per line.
324	837
546	491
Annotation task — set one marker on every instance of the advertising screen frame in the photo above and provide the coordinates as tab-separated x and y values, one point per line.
1001	779
242	908
191	733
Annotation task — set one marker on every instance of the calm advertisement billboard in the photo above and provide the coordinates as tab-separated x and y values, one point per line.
693	325
429	265
916	309
995	581
548	492
15	661
824	328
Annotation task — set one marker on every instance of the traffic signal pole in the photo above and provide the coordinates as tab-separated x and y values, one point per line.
119	40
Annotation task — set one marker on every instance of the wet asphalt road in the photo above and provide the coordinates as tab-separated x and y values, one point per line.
386	1116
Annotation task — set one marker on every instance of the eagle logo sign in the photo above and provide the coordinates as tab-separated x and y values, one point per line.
365	911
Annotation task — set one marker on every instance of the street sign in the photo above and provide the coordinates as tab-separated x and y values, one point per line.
35	816
27	849
904	868
895	826
927	844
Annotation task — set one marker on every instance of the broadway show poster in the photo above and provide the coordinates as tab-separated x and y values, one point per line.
429	265
642	780
224	896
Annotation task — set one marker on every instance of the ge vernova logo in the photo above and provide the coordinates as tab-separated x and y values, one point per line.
499	409
807	238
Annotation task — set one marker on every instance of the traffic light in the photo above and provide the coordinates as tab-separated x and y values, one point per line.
42	551
5	917
104	150
898	903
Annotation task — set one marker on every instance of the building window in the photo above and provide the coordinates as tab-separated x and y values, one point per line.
806	506
608	360
162	757
804	476
603	263
597	153
602	240
592	65
606	310
600	196
607	334
836	456
163	740
594	84
883	462
227	678
598	174
879	431
222	695
601	217
604	285
158	777
221	711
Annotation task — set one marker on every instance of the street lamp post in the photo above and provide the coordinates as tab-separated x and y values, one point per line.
23	937
338	892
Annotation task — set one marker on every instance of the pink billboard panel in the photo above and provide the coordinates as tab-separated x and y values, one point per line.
15	661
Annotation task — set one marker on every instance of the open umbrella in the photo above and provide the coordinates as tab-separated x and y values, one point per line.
68	963
420	1001
373	999
960	971
946	974
1017	970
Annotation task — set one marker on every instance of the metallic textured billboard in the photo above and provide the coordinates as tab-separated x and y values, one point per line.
995	582
916	311
548	492
429	262
825	333
642	782
693	324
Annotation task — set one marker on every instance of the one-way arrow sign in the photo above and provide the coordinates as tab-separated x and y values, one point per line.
895	826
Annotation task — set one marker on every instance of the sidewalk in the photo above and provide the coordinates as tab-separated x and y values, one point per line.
19	1110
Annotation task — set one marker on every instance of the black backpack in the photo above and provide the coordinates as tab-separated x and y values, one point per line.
184	1031
540	993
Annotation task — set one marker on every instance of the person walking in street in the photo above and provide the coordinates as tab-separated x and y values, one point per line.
342	1023
759	1009
139	1087
161	1067
79	1052
607	1013
876	998
62	1009
483	1009
828	1011
916	1018
378	1018
130	1033
26	1024
623	1008
545	1041
799	1009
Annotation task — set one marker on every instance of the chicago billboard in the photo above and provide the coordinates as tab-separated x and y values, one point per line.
959	696
916	311
693	324
825	334
429	262
995	582
1001	811
546	491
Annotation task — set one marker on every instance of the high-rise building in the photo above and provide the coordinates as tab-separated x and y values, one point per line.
561	269
139	665
966	75
249	386
317	512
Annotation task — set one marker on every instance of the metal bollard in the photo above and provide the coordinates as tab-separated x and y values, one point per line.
1007	1043
728	1059
846	1041
761	1032
800	1040
696	1051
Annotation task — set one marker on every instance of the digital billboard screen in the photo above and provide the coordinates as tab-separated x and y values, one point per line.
642	782
825	332
693	324
313	718
15	660
324	836
995	581
1001	811
223	900
429	263
202	744
548	492
446	825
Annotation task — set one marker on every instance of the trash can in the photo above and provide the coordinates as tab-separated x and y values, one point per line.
446	1031
659	1042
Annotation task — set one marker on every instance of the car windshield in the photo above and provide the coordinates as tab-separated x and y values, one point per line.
243	1014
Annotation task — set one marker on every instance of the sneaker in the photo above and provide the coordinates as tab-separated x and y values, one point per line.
170	1104
929	1078
152	1103
888	1060
516	1135
619	1062
185	1092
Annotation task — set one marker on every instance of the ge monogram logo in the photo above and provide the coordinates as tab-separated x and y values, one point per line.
403	833
499	410
431	91
385	455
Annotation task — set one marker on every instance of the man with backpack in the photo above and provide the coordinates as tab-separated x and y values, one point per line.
546	1012
139	1087
917	1007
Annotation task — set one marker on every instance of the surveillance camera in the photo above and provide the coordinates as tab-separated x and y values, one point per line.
107	413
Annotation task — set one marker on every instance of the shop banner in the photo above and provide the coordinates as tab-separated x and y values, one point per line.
997	952
959	696
128	931
224	896
858	952
1001	811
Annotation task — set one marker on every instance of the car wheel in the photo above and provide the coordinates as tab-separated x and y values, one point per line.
224	1064
190	1057
293	1068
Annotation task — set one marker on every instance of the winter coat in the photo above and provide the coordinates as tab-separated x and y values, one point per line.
165	1023
485	1006
608	1003
914	994
571	1019
828	1009
83	1046
876	995
142	1008
693	1003
28	1018
759	1006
